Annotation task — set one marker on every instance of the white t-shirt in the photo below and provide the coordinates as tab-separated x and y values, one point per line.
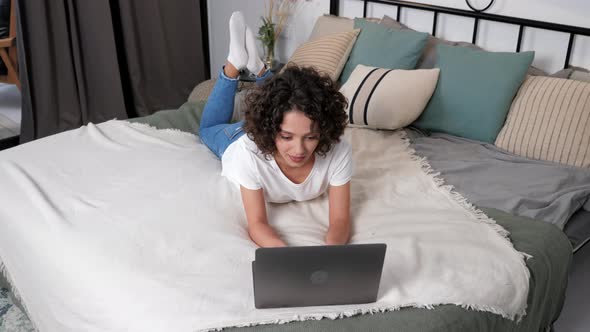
243	164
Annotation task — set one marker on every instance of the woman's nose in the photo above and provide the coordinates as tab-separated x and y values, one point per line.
299	148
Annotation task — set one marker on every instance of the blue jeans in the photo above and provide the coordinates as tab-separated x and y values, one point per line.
215	129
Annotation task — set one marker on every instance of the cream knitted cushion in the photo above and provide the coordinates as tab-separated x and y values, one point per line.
549	120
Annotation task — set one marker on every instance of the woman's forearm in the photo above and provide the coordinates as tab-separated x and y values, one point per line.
264	236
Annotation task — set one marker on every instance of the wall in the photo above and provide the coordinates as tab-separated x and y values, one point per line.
549	46
297	32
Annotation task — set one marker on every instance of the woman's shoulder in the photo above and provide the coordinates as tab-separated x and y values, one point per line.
245	148
341	148
340	153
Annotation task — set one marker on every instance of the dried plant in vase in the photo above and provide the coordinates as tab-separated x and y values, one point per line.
277	13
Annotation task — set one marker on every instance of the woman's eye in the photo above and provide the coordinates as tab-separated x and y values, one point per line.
313	137
285	137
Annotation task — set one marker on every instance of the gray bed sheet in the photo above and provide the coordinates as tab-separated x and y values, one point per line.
490	177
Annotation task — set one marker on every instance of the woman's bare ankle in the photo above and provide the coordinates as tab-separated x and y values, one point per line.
230	70
262	71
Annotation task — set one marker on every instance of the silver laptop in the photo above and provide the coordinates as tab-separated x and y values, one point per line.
317	275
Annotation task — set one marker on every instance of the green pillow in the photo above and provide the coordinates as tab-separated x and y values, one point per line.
474	91
384	47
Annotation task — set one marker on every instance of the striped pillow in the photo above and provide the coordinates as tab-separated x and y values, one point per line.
549	120
328	54
386	98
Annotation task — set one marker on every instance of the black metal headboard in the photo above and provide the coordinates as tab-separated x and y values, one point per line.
477	16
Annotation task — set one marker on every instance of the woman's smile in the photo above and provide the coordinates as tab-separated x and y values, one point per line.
296	159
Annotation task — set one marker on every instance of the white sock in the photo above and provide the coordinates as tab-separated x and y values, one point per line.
237	56
255	65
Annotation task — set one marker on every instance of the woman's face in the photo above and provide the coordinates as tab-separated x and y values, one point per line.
297	139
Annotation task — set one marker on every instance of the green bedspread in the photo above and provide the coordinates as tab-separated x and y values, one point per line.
550	248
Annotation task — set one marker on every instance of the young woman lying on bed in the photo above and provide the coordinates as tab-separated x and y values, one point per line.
292	149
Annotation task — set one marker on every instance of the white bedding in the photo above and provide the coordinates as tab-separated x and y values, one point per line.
122	227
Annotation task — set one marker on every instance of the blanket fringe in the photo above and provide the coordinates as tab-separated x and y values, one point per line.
368	311
477	213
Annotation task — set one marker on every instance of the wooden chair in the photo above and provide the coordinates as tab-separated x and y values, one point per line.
8	50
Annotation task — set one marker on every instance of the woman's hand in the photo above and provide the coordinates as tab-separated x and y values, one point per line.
264	236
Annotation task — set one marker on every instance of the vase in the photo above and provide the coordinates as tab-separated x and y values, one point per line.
269	56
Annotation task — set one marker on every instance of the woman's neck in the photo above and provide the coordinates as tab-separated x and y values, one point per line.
295	174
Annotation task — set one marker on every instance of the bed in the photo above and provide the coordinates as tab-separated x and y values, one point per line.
464	163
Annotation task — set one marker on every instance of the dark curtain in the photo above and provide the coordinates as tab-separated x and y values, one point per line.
94	60
4	23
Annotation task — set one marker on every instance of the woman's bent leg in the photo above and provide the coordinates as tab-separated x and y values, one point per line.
217	115
219	137
220	104
215	128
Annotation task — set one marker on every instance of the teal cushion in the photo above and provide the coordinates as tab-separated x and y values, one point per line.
384	47
474	91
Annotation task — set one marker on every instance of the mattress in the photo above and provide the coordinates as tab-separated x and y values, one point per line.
549	247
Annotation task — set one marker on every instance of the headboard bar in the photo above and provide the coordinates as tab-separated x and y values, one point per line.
477	16
475	25
520	32
483	16
570	45
434	21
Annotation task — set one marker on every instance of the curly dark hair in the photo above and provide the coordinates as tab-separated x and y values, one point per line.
296	88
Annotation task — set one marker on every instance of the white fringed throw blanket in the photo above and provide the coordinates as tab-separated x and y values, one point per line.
122	227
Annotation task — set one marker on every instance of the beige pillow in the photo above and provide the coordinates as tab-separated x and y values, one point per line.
387	99
328	24
327	54
549	120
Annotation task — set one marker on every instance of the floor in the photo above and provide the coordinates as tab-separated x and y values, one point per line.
10	111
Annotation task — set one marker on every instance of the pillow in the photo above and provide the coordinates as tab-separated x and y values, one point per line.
574	73
327	54
428	58
329	24
474	91
549	120
383	47
387	98
580	75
